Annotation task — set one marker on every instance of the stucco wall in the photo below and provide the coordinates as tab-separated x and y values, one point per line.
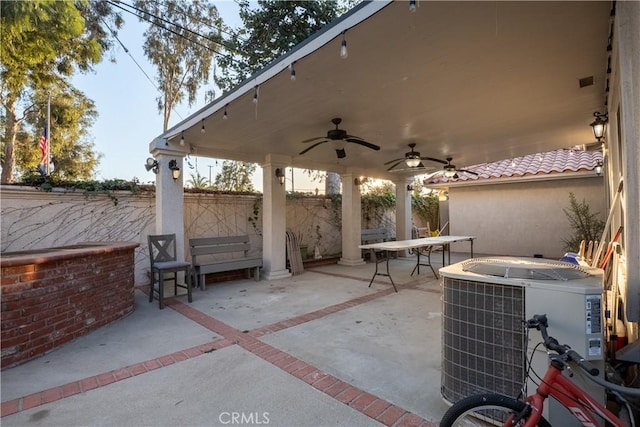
521	219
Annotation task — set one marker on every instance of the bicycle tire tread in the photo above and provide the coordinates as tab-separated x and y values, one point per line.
474	401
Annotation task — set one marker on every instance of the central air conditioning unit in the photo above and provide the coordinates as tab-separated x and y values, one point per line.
484	343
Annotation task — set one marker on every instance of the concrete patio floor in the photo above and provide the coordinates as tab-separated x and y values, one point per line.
316	349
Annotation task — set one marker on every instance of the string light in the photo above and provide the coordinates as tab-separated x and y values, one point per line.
182	138
344	54
412	6
293	72
255	95
202	128
225	116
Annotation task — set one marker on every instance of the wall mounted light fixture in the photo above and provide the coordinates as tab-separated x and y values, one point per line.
599	167
409	187
280	175
599	125
175	169
360	180
151	164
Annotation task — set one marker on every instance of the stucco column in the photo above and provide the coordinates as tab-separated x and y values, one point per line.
169	195
351	221
403	211
627	23
274	220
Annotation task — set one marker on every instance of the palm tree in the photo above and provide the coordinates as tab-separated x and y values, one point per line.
198	182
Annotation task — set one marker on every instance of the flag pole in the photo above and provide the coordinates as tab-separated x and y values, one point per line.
48	134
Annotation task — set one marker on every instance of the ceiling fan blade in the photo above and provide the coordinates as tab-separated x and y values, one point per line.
397	162
468	171
313	146
363	143
315	138
434	160
391	161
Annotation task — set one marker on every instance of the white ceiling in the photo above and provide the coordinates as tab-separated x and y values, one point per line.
478	81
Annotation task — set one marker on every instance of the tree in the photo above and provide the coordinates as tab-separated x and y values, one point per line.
180	42
72	115
235	176
198	181
584	224
269	31
44	42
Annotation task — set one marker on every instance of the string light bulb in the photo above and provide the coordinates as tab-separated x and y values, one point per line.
412	6
293	72
182	138
225	116
255	95
344	54
202	128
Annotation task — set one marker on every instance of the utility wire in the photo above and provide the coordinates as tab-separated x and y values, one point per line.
113	33
141	15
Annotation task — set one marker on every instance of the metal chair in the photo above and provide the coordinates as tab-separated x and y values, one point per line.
162	254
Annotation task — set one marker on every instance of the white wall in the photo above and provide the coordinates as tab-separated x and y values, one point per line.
521	219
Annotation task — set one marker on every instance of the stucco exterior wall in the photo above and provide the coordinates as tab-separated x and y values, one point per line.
521	219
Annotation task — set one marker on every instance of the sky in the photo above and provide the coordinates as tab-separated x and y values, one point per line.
129	120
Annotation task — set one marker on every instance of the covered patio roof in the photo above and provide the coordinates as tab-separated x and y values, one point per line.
477	81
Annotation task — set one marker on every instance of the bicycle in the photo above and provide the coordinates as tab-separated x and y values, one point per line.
497	409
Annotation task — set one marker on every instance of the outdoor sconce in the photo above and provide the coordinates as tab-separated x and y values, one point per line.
280	175
409	187
360	180
151	164
175	169
599	125
599	168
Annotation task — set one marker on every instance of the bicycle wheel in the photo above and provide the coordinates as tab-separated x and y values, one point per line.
486	410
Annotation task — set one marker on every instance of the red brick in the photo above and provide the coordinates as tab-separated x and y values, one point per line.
70	389
325	383
152	364
31	401
409	420
376	408
314	376
137	369
9	407
89	383
106	378
391	415
349	394
337	388
362	401
52	394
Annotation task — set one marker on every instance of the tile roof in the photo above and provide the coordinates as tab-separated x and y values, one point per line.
551	162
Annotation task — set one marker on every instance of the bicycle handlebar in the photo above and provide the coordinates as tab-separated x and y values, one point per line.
539	322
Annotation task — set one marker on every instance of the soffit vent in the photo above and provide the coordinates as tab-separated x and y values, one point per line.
586	81
525	268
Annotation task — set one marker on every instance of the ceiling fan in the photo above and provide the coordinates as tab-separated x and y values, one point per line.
338	135
412	159
450	171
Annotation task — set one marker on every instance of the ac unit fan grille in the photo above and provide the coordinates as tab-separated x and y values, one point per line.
484	346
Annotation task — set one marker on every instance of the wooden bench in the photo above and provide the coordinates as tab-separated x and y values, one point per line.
373	235
216	254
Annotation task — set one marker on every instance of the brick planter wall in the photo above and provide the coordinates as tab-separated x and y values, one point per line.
50	297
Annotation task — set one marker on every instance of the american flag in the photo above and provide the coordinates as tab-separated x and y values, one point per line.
44	147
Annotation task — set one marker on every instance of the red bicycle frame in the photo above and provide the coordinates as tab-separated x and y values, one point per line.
579	403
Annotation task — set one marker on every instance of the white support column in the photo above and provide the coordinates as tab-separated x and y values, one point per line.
170	197
351	221
403	212
274	220
627	23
